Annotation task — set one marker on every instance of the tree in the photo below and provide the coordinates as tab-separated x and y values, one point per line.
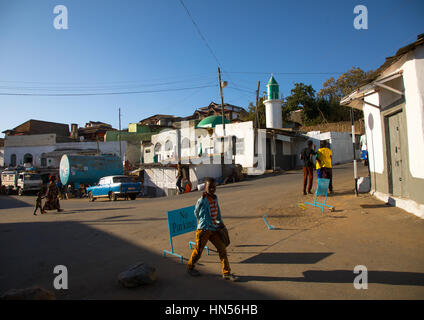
302	97
251	116
335	90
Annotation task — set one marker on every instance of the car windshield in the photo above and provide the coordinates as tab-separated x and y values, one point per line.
32	177
121	179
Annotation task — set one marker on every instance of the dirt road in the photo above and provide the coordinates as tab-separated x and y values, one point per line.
309	254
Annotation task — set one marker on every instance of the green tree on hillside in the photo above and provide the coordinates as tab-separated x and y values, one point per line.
251	116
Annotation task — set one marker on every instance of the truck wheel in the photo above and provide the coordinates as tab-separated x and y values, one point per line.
20	191
110	196
133	196
90	197
114	197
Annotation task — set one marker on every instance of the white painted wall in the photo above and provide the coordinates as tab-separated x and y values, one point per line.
412	65
340	143
241	130
37	151
274	116
413	77
211	145
198	173
1	157
374	133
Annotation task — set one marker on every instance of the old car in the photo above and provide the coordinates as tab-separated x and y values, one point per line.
114	187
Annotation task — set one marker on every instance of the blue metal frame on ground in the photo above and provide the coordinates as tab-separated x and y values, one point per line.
322	190
268	225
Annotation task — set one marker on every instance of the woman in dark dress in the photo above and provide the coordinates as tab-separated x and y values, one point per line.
52	196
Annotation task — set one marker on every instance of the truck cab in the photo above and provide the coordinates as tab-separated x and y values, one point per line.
114	187
8	180
28	182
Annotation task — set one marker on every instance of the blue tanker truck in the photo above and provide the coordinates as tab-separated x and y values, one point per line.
79	171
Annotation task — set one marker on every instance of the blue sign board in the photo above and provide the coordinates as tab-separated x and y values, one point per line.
181	221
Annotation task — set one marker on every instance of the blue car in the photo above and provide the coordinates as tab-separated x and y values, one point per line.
114	187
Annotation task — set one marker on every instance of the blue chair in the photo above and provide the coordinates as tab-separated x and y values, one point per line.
322	190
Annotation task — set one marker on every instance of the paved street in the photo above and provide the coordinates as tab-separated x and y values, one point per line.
309	255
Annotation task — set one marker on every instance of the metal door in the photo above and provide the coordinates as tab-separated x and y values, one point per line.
396	172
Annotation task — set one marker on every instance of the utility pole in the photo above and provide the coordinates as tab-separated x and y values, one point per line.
257	102
223	123
256	123
119	135
355	168
222	100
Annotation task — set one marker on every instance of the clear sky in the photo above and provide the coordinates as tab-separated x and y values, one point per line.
143	46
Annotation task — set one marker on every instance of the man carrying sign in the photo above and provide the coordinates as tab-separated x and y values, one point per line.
209	219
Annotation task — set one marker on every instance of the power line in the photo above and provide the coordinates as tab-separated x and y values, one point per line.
106	85
200	33
198	82
288	73
99	94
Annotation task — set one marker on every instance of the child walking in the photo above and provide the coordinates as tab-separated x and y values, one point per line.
40	195
209	219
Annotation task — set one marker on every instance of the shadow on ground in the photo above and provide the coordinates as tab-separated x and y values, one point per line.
347	276
7	202
94	259
288	257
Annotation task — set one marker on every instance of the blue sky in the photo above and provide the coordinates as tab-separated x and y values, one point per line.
140	45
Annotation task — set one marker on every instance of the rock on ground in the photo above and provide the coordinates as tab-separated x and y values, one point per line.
32	293
137	275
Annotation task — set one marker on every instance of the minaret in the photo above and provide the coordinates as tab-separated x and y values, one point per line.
274	117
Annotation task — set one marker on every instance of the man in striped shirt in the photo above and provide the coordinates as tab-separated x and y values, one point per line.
209	218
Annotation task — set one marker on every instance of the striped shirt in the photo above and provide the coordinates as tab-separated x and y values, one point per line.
214	209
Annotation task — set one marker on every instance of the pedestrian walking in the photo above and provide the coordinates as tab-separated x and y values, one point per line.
308	166
52	196
364	149
323	165
209	219
40	196
179	178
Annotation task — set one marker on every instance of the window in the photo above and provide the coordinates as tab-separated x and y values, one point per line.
32	177
13	160
28	158
168	145
121	179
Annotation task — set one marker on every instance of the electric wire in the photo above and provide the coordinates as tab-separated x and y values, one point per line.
101	93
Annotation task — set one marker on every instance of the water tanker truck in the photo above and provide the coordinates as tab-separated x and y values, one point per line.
77	170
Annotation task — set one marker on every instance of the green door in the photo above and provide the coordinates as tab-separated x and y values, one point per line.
395	165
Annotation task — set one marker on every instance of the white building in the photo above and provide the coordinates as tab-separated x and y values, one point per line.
42	150
392	102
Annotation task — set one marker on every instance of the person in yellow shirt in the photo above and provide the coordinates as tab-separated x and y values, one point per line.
323	165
